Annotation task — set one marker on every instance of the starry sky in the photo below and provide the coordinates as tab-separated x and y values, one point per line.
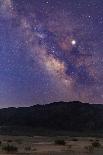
51	50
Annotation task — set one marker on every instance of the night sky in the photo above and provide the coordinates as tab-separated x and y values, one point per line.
50	51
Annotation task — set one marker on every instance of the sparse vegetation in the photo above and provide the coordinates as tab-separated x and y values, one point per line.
51	145
0	143
96	144
74	139
69	146
60	142
18	141
91	140
89	148
34	149
27	148
9	141
10	148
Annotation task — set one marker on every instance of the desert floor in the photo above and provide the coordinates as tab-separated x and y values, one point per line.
46	145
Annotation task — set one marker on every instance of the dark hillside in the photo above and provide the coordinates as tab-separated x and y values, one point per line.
71	116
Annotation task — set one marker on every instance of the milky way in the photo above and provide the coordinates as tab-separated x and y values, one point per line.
50	51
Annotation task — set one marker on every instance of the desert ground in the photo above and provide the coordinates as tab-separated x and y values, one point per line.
39	145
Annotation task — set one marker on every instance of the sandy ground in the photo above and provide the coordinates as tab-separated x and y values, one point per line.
46	146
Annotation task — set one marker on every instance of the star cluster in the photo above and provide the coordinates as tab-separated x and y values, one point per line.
50	51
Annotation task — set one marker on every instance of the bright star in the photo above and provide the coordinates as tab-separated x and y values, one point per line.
73	42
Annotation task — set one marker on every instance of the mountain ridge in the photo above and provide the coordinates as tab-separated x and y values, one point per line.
67	116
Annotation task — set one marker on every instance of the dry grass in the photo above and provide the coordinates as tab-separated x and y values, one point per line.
46	146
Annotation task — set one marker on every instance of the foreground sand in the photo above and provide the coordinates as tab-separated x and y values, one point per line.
45	145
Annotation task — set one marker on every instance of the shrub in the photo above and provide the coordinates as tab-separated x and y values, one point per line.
18	141
96	144
60	142
34	149
91	140
69	146
89	148
28	148
97	140
75	139
0	143
10	148
9	141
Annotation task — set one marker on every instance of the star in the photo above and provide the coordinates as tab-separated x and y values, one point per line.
46	2
73	42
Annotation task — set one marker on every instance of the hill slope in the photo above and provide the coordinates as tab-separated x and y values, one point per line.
68	116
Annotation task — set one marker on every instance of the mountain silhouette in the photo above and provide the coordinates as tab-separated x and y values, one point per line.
67	116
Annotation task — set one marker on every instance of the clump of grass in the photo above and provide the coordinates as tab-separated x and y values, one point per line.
9	141
96	144
91	140
69	146
60	142
89	148
97	140
18	141
27	148
0	143
74	139
10	148
34	149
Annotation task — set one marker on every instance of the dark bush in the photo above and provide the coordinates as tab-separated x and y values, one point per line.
34	149
91	140
18	141
0	142
75	139
27	148
69	146
9	141
89	148
96	144
60	142
10	148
